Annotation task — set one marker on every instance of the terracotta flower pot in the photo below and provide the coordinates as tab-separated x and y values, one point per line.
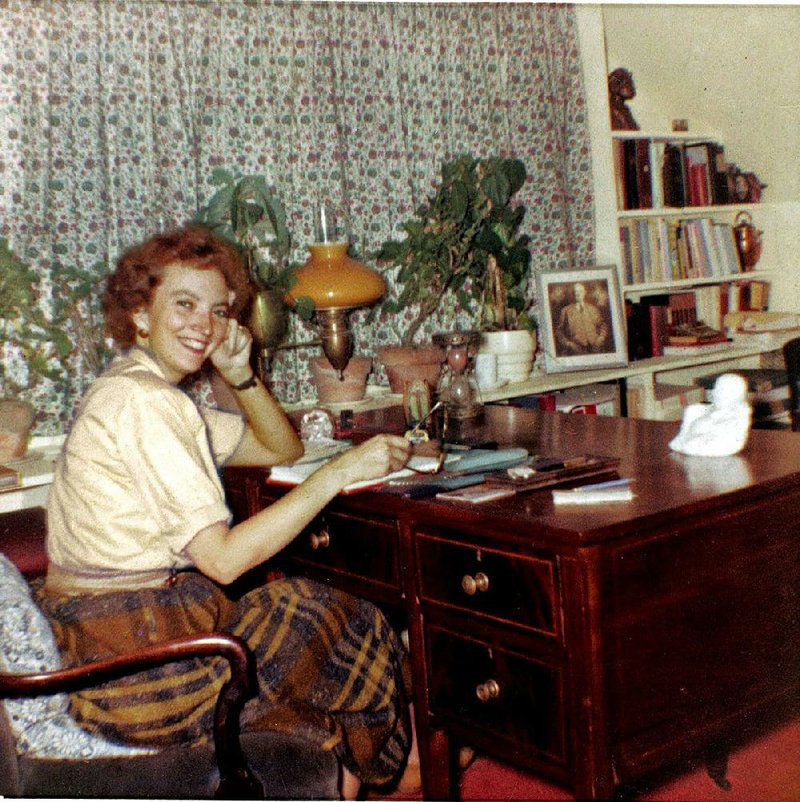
331	389
405	364
16	419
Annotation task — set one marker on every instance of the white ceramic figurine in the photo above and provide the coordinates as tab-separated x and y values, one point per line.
720	428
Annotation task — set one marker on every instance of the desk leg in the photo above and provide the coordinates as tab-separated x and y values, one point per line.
594	776
717	767
436	767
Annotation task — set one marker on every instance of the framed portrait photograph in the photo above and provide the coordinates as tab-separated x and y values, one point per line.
581	320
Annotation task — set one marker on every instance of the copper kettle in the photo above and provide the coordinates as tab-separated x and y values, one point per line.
748	240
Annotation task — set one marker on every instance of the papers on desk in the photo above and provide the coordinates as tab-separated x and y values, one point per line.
322	450
299	471
597	493
473	461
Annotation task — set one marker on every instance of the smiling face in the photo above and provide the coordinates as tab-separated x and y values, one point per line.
186	319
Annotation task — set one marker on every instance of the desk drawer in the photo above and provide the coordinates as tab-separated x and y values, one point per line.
362	550
511	587
499	693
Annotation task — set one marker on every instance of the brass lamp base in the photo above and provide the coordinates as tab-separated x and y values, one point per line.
337	340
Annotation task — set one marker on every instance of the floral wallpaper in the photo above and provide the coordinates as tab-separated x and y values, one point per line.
113	114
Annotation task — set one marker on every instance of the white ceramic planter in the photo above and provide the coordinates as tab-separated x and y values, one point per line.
514	350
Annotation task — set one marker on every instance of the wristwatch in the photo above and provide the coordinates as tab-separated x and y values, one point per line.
246	384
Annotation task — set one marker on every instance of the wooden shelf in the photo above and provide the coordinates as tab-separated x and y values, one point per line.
541	382
663	136
689	283
689	211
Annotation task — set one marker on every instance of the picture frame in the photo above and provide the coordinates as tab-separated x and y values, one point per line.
581	319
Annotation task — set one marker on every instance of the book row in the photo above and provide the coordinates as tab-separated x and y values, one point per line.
663	249
653	320
652	173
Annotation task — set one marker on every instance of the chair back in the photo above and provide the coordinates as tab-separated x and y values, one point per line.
791	358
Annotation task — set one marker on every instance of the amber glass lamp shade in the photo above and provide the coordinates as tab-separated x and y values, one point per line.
334	280
336	283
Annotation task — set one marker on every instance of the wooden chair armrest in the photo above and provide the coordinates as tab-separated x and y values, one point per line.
236	780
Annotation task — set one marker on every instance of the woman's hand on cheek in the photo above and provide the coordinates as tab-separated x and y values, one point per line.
232	356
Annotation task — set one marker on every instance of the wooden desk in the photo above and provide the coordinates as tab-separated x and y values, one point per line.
592	645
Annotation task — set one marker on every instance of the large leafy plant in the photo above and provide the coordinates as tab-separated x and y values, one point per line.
465	239
246	211
40	342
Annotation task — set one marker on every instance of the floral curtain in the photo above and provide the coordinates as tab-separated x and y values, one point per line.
114	114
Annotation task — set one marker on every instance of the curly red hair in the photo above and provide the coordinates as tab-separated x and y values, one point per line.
140	270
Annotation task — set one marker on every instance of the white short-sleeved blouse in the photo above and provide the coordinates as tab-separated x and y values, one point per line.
138	476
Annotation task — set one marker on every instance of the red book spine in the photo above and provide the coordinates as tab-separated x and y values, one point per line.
698	185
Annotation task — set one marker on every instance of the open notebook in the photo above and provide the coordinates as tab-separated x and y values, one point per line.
295	473
475	460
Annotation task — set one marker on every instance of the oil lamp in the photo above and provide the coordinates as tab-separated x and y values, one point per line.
457	386
336	283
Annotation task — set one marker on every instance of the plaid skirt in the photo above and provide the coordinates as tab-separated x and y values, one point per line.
329	667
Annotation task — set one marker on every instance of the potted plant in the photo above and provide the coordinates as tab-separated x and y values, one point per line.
464	241
247	212
335	387
34	347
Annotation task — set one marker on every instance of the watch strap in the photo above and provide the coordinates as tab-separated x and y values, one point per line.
246	384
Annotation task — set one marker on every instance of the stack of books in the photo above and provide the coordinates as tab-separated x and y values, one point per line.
695	338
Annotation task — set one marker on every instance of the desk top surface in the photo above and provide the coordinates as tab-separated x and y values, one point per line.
668	487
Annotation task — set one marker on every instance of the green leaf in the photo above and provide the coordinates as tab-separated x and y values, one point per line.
488	240
62	343
497	187
219	176
516	174
459	201
304	306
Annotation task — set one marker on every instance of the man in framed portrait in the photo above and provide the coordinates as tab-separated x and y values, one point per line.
582	326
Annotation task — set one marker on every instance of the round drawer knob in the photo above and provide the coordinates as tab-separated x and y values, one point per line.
488	690
475	584
321	540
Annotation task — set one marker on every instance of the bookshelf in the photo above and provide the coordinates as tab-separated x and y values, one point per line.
649	379
677	199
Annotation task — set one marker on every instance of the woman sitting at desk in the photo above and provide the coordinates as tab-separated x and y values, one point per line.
139	539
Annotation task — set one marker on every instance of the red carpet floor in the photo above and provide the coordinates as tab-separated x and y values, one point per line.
767	770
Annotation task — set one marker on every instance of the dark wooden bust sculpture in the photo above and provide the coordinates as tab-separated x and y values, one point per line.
620	90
